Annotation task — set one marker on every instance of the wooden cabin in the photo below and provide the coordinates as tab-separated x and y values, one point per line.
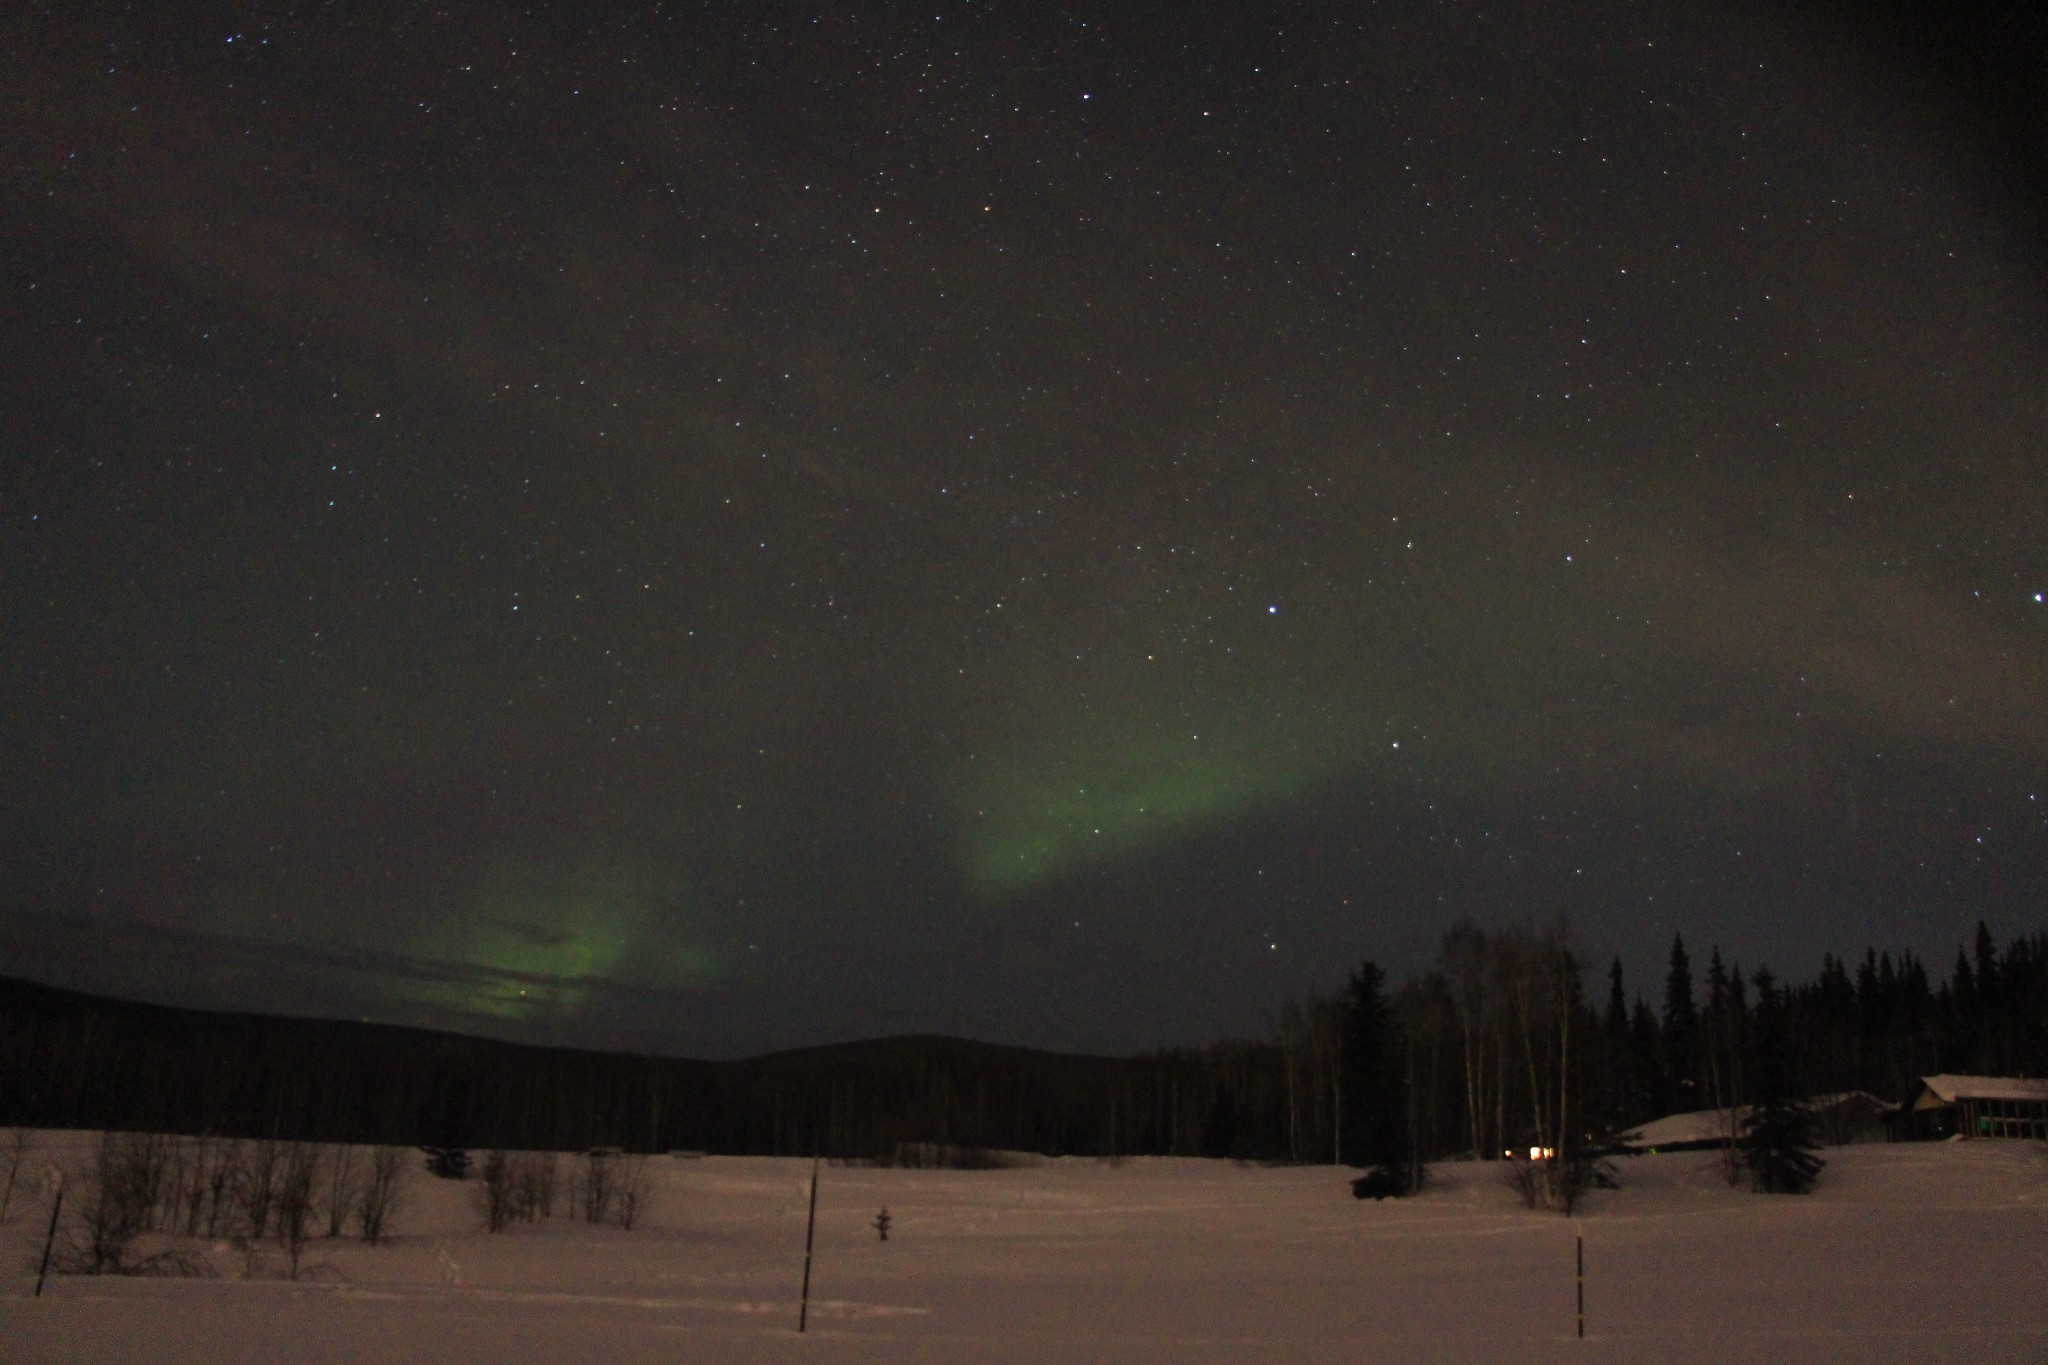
1976	1107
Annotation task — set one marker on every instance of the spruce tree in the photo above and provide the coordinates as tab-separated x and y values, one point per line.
1374	1113
1987	965
1219	1131
1622	1085
1646	1043
1681	1031
1779	1135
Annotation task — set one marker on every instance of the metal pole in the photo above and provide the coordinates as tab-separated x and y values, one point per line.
50	1238
1582	1282
803	1311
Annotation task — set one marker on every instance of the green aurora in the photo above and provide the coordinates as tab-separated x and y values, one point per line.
536	942
1126	788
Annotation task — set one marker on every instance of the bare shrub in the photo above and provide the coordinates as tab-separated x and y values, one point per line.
256	1179
217	1181
13	1149
344	1175
610	1187
114	1211
629	1190
1588	1173
74	1258
494	1194
146	1164
142	1191
595	1185
298	1170
1560	1183
189	1186
943	1156
121	1202
171	1191
517	1187
537	1185
188	1199
1526	1179
382	1188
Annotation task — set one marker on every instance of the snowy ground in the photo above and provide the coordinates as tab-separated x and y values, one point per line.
1928	1252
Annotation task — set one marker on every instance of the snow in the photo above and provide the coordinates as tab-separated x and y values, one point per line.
1925	1252
1701	1125
1712	1125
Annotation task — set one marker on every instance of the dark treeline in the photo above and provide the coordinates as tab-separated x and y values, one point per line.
1498	1046
76	1061
1877	1026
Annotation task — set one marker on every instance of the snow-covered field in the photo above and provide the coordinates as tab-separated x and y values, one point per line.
1930	1252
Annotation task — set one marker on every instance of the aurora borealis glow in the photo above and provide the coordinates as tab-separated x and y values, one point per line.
719	528
537	943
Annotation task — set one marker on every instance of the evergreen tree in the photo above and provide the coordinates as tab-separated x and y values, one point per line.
1374	1111
1867	1008
1987	965
1622	1089
1647	1045
1723	1029
1965	982
1219	1132
1681	1031
1717	985
1778	1136
1982	1047
1736	1025
1965	1014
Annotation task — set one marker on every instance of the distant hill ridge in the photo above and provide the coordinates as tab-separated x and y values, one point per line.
69	1059
21	996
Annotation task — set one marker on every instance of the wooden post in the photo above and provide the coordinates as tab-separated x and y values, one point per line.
1582	1282
50	1238
803	1311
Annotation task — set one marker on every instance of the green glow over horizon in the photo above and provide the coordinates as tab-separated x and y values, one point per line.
1122	793
532	943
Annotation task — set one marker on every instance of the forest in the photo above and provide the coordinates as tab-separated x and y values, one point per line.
1499	1044
1505	1047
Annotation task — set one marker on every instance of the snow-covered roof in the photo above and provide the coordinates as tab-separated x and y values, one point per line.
1704	1125
1950	1089
1711	1125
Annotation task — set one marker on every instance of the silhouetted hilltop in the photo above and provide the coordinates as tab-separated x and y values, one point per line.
69	1059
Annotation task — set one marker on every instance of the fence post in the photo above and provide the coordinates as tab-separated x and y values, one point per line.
803	1311
1582	1282
50	1237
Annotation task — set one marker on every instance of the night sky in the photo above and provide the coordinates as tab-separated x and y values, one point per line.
716	527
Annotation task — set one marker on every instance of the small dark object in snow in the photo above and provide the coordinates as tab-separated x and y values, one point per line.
882	1224
1378	1183
1778	1145
450	1163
